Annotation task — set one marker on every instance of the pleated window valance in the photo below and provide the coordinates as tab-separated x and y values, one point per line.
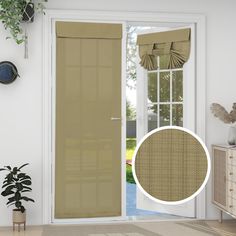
173	46
88	30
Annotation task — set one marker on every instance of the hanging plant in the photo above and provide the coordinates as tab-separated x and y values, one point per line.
15	12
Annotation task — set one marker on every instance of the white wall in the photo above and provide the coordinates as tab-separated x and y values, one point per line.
21	102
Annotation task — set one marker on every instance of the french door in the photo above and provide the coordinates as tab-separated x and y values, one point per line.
88	120
166	97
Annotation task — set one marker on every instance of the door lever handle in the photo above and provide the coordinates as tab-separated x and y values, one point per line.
115	118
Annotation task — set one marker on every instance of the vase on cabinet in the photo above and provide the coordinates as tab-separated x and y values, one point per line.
232	135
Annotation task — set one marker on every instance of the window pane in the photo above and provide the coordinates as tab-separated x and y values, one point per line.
152	87
164	115
177	114
152	117
164	87
177	86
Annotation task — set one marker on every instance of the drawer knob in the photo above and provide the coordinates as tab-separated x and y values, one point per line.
230	157
231	190
230	173
230	206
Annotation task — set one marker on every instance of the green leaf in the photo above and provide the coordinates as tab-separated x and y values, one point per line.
23	166
6	184
21	175
27	199
10	177
4	193
28	188
9	188
8	167
24	191
14	171
25	177
26	182
11	200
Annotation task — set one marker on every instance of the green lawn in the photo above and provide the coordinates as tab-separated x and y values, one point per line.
130	147
129	175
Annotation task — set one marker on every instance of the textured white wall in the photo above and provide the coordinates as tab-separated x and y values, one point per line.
21	102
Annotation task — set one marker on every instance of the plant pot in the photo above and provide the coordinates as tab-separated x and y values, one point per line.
18	216
28	14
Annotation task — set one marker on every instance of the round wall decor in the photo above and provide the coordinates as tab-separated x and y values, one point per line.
8	72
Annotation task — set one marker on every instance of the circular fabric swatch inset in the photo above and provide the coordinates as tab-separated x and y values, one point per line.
171	164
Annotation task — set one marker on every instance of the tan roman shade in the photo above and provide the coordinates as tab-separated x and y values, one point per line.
88	30
88	141
173	46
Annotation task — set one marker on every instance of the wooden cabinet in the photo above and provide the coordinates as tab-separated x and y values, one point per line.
224	178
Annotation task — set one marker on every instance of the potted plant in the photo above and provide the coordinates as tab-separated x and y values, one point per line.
15	185
15	12
228	118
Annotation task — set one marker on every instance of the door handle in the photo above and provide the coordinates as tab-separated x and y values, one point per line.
115	118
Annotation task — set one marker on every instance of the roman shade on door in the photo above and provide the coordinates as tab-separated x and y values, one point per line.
172	46
158	47
88	138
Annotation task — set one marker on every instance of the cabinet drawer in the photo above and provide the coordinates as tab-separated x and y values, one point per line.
232	206
231	189
232	157
231	173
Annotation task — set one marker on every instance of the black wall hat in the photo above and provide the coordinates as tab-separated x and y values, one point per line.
8	72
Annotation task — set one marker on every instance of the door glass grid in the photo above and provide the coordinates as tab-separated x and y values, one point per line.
164	96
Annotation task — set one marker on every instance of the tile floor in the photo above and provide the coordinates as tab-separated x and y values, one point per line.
229	226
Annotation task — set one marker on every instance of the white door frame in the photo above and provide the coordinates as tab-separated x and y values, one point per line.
49	74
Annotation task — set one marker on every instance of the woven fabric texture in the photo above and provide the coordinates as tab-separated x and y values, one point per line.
88	142
220	177
171	165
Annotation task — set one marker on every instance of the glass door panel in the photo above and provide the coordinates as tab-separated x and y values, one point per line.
165	96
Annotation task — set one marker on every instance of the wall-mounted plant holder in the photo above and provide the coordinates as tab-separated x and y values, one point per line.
28	17
16	14
8	72
28	14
